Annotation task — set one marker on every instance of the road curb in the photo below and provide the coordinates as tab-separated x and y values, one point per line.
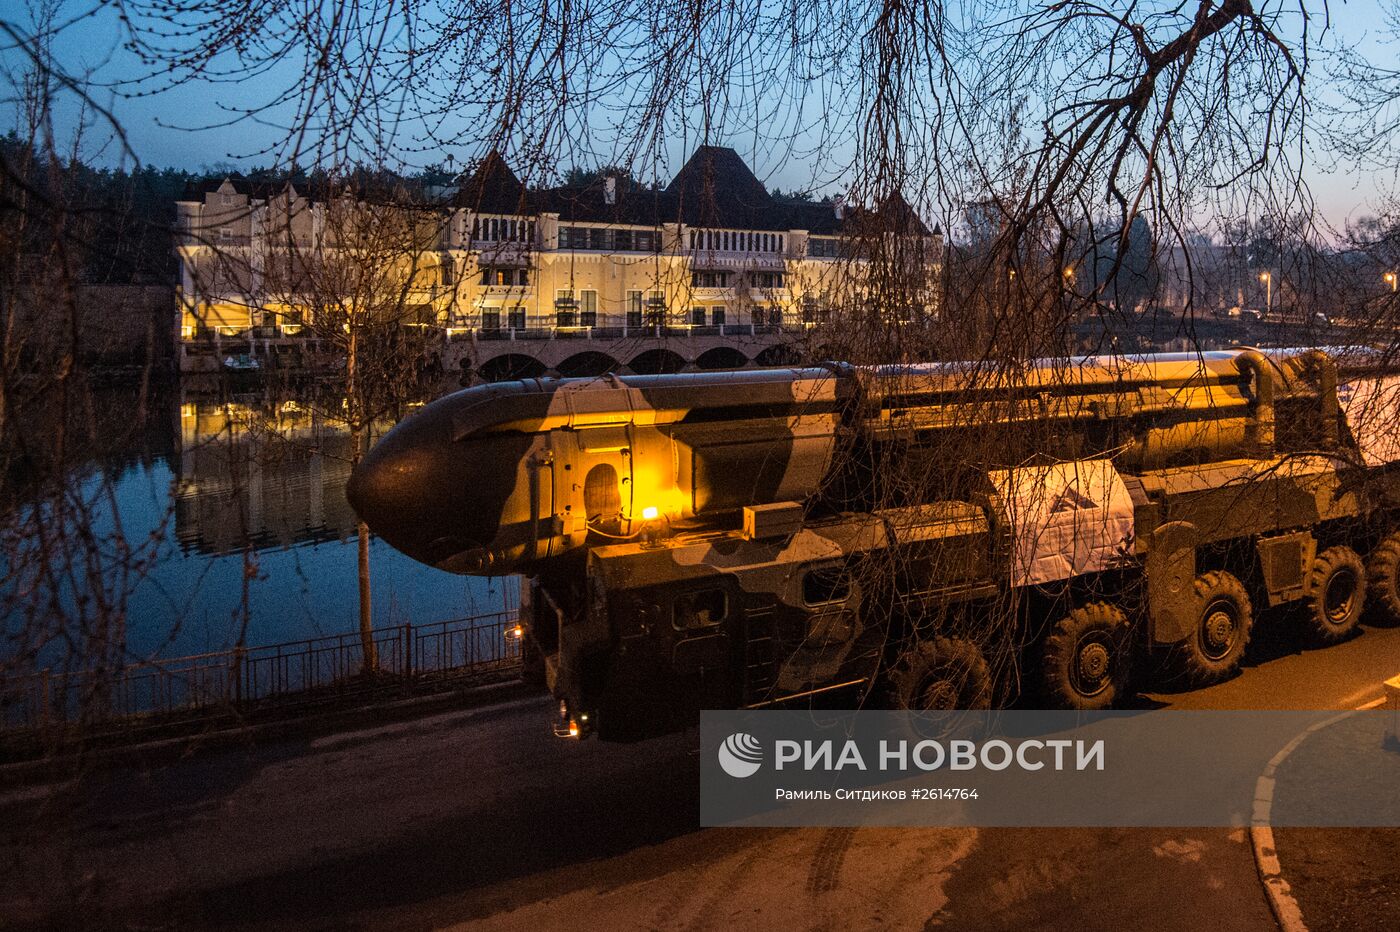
1282	903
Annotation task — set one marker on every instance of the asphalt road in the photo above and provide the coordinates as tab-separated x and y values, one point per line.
482	817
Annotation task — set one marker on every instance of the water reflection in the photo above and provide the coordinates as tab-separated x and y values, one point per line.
261	476
241	500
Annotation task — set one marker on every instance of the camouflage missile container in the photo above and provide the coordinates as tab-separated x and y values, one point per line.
753	538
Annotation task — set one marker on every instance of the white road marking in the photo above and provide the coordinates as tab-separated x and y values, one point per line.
1261	833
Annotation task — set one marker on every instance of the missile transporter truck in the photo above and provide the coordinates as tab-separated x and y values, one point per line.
767	537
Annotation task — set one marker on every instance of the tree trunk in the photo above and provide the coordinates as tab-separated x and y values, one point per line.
366	623
358	445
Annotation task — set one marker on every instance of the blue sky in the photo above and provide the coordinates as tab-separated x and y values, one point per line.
165	128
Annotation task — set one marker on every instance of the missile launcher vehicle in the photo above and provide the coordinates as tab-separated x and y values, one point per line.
770	537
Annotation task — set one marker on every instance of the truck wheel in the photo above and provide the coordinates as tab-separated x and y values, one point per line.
1084	661
1223	622
1383	578
1336	594
942	675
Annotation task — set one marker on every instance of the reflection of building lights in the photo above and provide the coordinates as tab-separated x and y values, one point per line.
650	513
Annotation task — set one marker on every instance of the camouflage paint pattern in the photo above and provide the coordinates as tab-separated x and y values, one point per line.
621	498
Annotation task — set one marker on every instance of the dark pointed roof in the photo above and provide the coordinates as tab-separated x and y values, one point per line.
894	215
716	188
493	189
588	203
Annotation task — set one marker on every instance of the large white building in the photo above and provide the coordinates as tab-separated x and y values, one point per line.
713	251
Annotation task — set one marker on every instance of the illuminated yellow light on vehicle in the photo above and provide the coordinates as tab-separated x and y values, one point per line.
573	728
649	513
515	633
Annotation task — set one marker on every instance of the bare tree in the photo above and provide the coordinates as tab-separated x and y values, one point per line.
360	270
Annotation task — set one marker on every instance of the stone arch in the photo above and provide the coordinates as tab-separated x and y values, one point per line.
721	357
657	361
586	364
779	354
510	366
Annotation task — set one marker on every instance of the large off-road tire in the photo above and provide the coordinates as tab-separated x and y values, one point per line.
1336	595
1224	619
941	675
1383	579
1084	658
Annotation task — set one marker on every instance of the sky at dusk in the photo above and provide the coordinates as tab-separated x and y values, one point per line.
185	127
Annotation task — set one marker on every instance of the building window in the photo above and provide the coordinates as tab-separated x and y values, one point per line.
503	230
502	277
446	272
588	308
709	278
565	307
656	309
491	319
634	308
644	241
622	240
823	247
597	238
697	316
766	279
516	318
225	233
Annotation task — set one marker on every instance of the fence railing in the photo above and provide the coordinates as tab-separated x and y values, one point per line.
316	668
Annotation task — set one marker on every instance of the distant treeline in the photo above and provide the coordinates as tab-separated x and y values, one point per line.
113	226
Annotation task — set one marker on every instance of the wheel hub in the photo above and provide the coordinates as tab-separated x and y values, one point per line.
1093	663
1341	589
939	696
1219	629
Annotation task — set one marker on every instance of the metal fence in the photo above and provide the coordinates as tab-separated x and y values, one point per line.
313	669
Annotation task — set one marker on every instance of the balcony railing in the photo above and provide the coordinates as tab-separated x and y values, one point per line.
669	331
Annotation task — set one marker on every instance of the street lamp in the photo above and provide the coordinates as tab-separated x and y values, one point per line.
1390	279
1268	281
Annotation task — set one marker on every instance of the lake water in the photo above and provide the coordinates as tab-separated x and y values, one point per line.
216	490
